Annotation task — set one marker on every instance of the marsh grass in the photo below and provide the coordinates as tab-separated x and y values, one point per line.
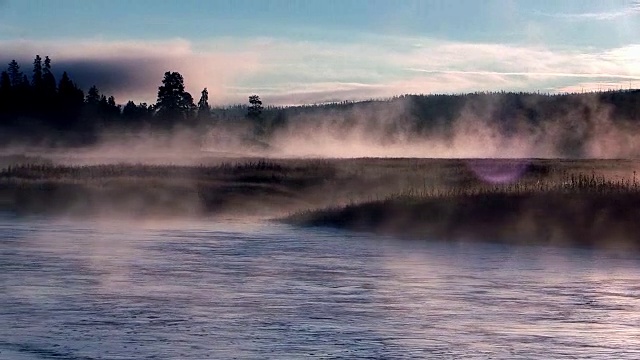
138	189
581	202
558	208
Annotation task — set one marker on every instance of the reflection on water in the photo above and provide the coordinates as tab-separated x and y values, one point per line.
81	290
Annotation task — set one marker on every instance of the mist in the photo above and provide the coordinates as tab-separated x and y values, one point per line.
583	127
481	126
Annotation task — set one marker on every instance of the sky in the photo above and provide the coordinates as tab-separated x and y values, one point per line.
306	51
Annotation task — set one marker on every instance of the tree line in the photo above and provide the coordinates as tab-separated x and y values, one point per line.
35	106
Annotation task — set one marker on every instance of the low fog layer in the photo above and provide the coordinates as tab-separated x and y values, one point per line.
494	125
579	126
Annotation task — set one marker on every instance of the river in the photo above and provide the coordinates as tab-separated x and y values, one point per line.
72	289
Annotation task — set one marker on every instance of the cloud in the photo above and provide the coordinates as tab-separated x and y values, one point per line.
533	74
632	10
287	72
328	71
525	67
339	91
524	60
134	69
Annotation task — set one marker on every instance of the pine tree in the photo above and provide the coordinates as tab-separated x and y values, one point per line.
48	91
48	80
15	75
93	96
130	110
111	101
254	111
134	114
37	89
114	109
204	110
173	103
66	87
70	102
36	81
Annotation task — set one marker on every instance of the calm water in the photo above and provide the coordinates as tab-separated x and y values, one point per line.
89	290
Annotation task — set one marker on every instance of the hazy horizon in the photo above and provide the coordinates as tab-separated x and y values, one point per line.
305	52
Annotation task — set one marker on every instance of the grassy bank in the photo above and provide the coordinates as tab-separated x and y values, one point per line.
575	209
576	202
250	188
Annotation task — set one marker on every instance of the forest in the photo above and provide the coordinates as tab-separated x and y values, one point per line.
38	108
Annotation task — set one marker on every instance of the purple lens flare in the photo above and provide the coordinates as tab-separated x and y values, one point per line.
498	171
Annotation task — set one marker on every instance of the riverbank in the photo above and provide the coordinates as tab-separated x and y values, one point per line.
606	220
568	202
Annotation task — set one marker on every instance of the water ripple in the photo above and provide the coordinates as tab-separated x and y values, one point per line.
79	290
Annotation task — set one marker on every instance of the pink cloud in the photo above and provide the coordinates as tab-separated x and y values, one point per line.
286	72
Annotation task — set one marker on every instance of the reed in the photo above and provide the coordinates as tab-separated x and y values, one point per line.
577	209
426	198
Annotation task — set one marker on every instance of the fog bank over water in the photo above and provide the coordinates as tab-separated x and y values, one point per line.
467	126
476	125
481	126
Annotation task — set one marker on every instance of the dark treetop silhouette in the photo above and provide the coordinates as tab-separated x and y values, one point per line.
42	111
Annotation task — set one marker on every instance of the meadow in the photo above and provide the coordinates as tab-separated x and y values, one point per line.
553	201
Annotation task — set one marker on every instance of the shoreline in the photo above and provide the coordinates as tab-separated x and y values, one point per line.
560	219
593	203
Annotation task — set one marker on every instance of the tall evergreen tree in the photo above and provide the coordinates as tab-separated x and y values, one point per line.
130	110
203	103
254	111
111	101
134	114
91	109
37	89
36	80
174	103
204	109
108	108
66	87
15	75
93	96
48	80
113	110
70	102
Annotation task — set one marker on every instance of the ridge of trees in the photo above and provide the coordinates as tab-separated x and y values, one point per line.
34	105
40	106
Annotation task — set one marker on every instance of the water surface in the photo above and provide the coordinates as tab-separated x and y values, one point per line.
200	290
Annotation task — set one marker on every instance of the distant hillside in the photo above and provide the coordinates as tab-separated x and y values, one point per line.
43	110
